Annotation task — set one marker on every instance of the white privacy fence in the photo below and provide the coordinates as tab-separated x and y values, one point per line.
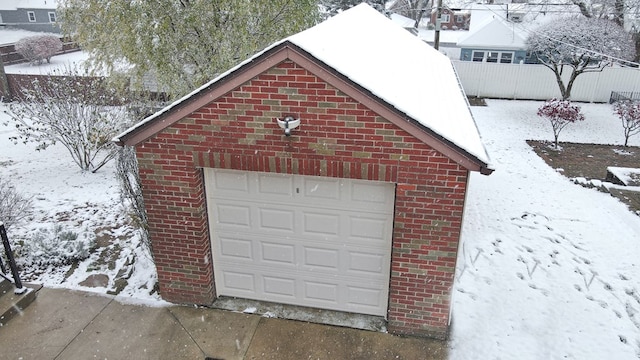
536	82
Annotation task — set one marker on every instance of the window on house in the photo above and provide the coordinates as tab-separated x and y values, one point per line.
444	18
32	16
459	19
506	58
492	56
52	17
477	56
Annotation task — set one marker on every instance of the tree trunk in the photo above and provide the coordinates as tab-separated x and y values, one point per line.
584	10
5	91
563	90
618	12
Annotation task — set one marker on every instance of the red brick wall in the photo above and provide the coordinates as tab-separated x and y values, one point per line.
338	137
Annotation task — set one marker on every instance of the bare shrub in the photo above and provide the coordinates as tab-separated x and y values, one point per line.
14	207
73	109
128	175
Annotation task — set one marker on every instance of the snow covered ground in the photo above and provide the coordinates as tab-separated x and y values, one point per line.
59	63
10	36
547	269
82	202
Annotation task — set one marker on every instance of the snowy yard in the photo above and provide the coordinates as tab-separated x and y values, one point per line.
547	269
84	203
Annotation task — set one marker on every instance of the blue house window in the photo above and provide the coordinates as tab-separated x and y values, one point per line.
506	58
478	56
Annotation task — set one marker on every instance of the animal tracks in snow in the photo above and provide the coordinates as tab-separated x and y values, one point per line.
543	259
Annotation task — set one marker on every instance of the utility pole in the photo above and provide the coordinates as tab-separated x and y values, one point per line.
436	38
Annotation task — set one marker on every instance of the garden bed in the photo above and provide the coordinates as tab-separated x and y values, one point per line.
590	161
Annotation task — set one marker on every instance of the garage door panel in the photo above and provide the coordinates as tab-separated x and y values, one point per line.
229	181
321	188
279	286
369	194
282	254
271	218
231	247
275	184
242	283
234	215
360	296
324	258
368	229
321	223
322	292
367	263
300	240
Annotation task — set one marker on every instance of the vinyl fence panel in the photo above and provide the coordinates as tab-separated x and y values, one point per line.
536	82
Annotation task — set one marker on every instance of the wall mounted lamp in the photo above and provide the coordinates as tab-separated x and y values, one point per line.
288	123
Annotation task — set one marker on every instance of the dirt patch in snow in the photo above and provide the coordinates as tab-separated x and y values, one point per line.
590	161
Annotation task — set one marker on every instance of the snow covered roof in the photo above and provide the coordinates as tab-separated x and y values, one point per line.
402	21
495	33
393	65
28	4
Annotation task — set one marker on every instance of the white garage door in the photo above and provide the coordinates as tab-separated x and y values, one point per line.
301	240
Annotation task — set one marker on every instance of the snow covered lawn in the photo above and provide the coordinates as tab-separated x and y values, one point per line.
547	269
81	202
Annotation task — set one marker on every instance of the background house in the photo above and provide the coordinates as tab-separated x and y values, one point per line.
358	210
32	15
452	19
494	41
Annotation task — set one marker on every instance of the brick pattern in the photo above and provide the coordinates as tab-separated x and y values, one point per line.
338	137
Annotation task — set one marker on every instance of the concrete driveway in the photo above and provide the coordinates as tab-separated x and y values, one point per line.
66	324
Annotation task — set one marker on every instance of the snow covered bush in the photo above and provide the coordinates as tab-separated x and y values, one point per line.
55	246
14	207
629	114
560	113
72	109
38	48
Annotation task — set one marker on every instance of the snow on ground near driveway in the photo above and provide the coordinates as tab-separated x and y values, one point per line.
548	269
80	201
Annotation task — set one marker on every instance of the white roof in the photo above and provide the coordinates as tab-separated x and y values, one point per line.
402	21
393	64
495	33
382	57
28	4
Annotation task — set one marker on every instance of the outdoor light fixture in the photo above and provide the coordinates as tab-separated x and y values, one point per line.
288	123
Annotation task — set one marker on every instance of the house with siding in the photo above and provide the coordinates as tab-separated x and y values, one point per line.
32	15
452	19
495	40
315	174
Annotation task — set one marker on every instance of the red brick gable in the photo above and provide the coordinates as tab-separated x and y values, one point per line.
287	51
338	137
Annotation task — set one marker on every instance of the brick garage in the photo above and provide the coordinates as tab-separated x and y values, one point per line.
347	132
